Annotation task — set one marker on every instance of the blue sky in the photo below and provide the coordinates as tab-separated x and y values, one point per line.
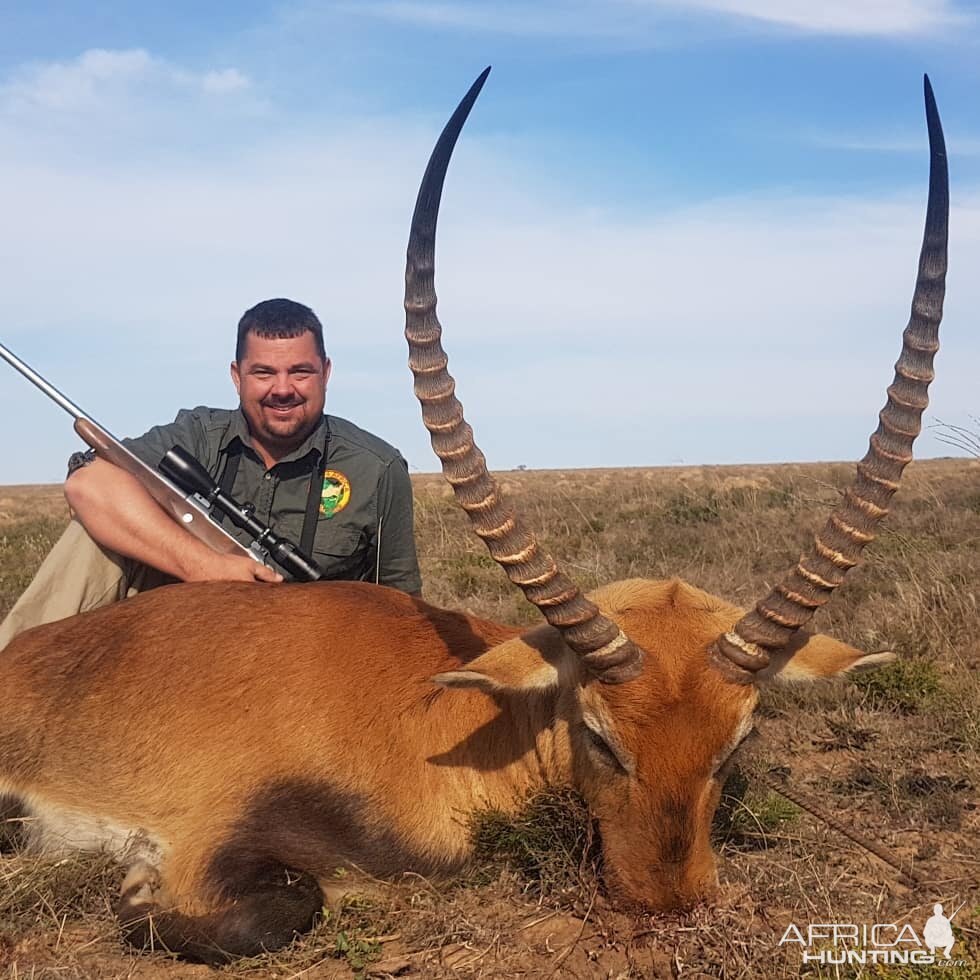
673	232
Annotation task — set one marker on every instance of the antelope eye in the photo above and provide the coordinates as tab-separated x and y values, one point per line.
601	746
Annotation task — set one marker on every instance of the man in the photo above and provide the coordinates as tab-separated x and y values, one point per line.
341	494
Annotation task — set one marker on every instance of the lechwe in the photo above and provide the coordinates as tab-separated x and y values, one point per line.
235	744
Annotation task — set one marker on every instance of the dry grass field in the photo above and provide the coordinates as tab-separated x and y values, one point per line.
894	755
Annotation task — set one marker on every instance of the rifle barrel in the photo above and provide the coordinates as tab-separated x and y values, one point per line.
183	508
49	389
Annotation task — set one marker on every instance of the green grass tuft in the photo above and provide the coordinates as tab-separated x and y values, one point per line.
551	842
749	819
905	686
356	926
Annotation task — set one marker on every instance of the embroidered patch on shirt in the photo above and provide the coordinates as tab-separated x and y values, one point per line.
335	494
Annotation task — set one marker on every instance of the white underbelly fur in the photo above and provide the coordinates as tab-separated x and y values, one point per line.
56	830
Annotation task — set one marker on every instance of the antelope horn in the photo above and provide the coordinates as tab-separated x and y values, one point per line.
852	525
611	656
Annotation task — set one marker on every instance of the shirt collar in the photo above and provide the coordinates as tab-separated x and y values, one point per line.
238	431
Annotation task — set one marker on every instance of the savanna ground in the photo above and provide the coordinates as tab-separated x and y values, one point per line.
893	754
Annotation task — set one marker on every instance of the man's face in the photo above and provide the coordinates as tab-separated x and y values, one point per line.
282	386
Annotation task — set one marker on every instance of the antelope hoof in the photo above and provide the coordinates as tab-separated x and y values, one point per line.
138	891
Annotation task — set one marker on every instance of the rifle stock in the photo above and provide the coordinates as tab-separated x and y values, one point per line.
183	509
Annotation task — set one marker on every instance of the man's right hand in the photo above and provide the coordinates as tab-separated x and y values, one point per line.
233	568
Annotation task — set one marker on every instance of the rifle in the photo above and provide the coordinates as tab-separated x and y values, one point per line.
189	504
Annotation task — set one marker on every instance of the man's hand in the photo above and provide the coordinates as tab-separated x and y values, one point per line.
233	568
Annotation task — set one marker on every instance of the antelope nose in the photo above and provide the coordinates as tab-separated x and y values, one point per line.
686	886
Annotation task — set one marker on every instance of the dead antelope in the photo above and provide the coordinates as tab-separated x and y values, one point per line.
235	744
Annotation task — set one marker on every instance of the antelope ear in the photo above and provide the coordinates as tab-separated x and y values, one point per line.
814	657
535	661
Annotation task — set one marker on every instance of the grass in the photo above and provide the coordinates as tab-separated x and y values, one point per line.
354	925
22	548
905	686
751	819
53	899
893	753
551	844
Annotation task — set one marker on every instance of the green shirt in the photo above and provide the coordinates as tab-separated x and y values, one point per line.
365	521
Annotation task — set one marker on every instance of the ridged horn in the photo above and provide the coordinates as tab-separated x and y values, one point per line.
852	525
611	656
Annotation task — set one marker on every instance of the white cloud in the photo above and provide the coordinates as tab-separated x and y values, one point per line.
841	17
70	85
632	19
222	82
97	77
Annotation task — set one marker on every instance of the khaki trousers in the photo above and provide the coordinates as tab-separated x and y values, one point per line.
76	576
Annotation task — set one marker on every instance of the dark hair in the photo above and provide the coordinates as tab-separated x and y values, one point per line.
276	319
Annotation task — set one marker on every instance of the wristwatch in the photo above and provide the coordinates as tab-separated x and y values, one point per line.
77	460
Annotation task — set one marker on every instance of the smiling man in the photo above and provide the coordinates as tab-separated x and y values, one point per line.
343	495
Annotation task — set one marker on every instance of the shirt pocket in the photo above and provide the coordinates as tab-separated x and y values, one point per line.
341	551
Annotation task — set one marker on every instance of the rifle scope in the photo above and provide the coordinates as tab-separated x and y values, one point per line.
192	477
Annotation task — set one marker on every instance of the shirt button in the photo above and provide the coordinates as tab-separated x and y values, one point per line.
268	476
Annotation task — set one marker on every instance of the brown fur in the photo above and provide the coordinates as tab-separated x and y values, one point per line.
254	738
